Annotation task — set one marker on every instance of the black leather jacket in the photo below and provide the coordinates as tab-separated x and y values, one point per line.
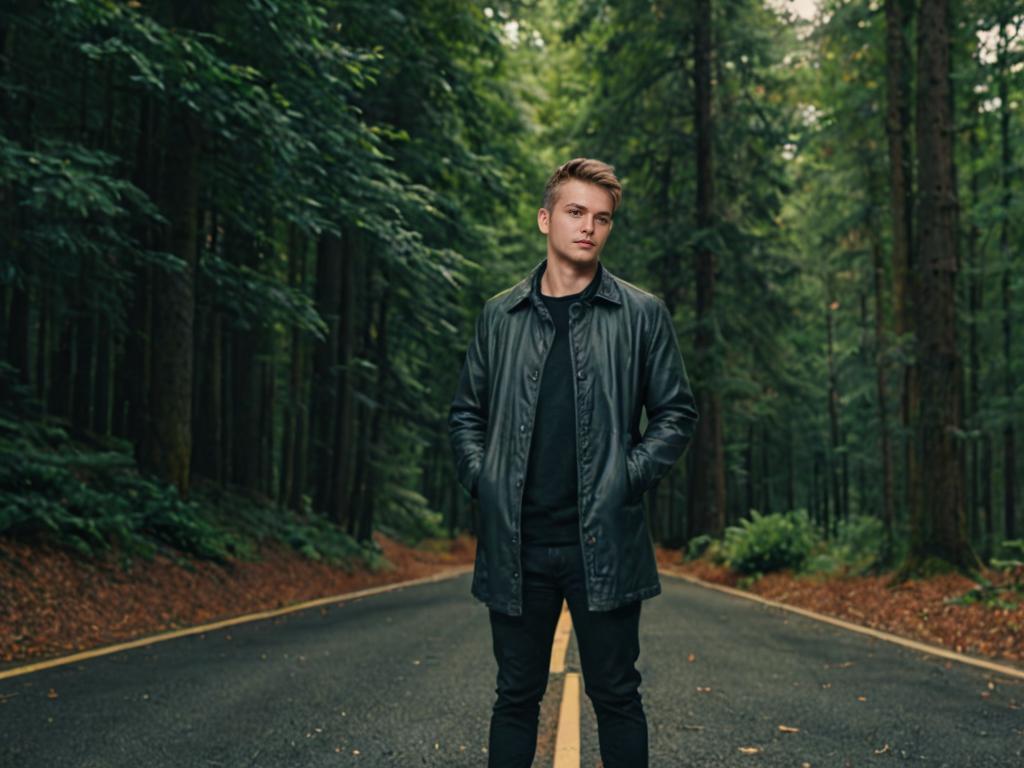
625	357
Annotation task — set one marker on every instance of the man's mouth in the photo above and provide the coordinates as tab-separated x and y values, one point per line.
588	243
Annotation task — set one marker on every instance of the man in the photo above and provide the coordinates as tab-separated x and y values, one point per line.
545	428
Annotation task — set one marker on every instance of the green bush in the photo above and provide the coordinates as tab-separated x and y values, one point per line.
698	546
856	549
90	501
999	596
766	543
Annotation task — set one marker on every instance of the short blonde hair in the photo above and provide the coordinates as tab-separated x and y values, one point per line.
584	169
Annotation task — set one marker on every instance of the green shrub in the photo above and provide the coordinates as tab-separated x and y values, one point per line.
89	501
766	543
999	596
698	545
858	545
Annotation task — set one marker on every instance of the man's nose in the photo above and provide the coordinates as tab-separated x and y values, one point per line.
588	224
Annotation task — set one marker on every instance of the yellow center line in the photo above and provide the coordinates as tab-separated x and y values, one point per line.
561	644
567	742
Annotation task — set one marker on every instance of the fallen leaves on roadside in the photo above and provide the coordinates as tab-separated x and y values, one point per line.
789	729
750	750
56	602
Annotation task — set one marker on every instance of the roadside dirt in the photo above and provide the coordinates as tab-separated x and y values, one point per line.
53	603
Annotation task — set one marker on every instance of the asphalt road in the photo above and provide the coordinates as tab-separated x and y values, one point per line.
406	678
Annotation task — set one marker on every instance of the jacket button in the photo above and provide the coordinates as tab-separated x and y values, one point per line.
522	428
519	482
515	574
591	540
515	539
533	375
581	375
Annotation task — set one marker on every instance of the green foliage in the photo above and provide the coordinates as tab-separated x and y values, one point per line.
698	545
91	501
766	543
706	547
41	495
856	549
1008	595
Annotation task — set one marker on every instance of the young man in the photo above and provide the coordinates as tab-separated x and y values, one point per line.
545	428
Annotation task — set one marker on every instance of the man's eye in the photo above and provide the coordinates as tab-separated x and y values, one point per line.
574	212
602	219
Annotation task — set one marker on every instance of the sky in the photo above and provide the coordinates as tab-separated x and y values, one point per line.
803	8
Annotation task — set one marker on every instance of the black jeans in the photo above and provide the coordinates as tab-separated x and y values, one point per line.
609	645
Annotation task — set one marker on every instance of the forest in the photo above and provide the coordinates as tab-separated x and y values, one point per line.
243	244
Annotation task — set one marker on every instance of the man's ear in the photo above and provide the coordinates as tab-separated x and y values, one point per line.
543	220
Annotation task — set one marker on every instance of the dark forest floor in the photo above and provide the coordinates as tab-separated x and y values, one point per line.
54	603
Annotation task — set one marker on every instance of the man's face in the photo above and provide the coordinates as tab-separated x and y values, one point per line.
579	222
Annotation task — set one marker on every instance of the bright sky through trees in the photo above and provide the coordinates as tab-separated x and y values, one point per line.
802	8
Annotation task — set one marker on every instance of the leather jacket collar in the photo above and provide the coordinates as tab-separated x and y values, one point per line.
607	287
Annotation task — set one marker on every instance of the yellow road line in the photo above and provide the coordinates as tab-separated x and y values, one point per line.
561	643
933	650
344	597
567	742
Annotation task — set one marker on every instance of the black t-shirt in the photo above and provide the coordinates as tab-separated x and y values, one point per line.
550	512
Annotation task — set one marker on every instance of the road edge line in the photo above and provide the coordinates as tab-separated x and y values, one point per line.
343	597
917	645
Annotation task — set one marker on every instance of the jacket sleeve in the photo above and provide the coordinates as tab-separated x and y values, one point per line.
670	404
467	417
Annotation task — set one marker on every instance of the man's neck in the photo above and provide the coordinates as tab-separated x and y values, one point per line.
561	279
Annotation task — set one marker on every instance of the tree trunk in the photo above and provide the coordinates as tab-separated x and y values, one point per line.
290	491
748	468
133	369
707	500
881	388
167	444
831	305
58	382
898	17
246	386
378	436
943	533
325	360
766	478
790	473
208	456
85	349
978	501
1009	440
345	392
358	490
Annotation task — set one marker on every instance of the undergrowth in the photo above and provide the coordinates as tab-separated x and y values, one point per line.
92	499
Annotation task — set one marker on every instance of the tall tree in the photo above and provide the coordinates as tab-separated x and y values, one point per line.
943	531
707	487
898	72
